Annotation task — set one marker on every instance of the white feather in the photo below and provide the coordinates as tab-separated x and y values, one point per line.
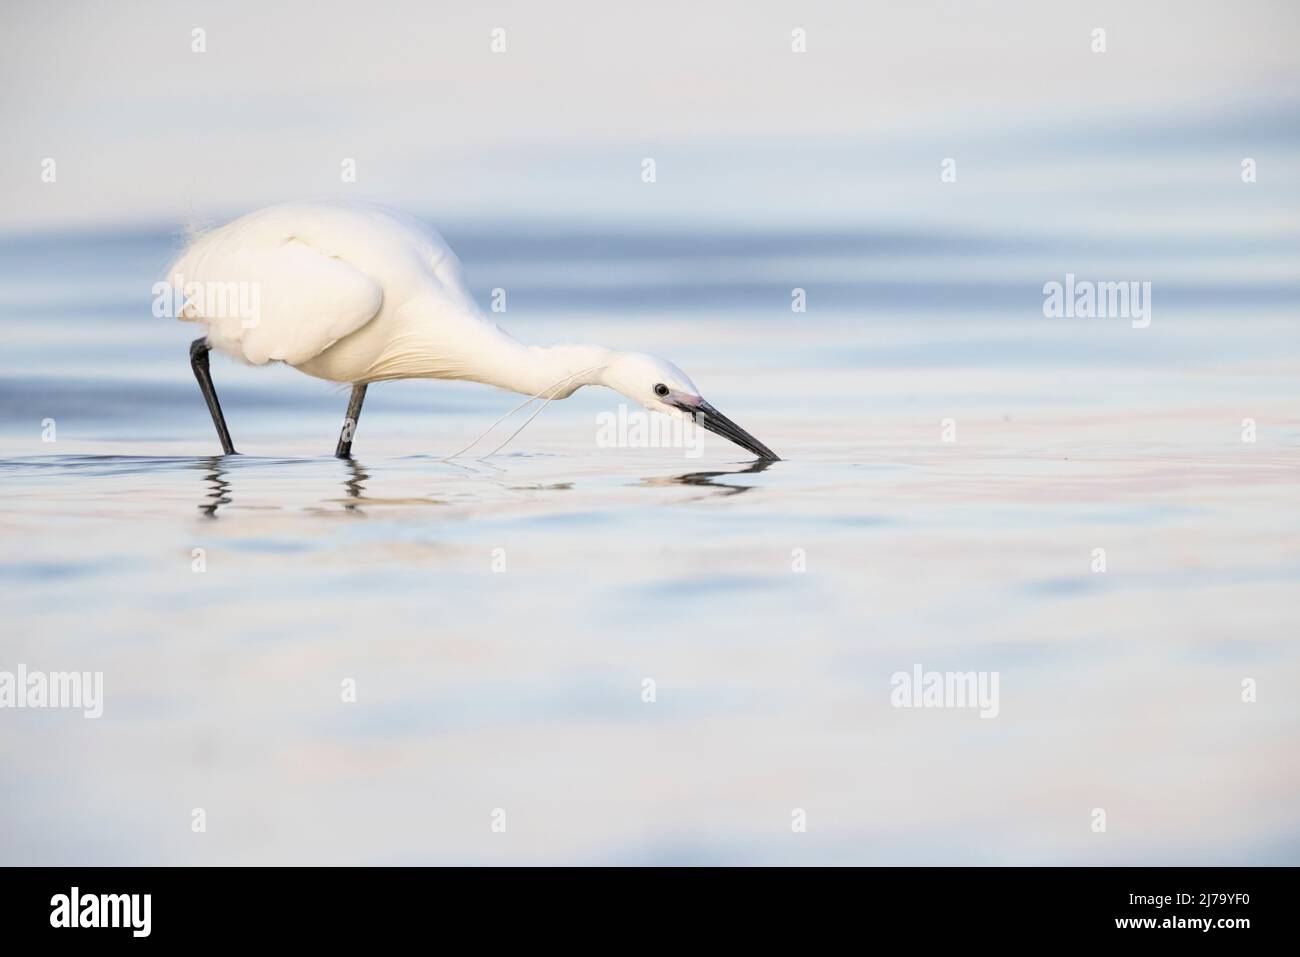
316	275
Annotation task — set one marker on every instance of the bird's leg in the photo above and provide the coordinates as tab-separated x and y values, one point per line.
199	363
344	450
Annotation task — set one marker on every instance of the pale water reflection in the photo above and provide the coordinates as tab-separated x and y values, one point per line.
950	478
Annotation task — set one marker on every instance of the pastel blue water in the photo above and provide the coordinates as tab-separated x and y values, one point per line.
500	619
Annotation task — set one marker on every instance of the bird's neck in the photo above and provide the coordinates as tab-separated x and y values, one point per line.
556	371
479	350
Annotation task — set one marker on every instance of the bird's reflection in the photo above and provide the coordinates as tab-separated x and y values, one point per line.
219	491
218	487
355	485
709	479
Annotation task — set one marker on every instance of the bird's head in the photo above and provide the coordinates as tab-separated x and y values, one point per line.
660	386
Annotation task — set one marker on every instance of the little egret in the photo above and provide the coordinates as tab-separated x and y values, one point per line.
358	293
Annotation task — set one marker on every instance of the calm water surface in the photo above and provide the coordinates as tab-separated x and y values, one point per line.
500	618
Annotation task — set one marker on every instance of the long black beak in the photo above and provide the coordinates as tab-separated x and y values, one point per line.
710	418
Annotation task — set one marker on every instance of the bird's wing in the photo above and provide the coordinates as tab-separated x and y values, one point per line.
282	300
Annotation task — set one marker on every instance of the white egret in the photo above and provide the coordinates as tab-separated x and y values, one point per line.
358	293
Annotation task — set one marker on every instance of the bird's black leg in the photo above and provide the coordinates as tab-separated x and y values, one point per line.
199	363
344	451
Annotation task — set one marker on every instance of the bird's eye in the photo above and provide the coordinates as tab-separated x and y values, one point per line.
661	390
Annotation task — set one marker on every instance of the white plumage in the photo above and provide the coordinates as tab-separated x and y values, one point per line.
359	293
323	271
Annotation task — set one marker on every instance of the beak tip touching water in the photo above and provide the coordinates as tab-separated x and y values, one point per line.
710	418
